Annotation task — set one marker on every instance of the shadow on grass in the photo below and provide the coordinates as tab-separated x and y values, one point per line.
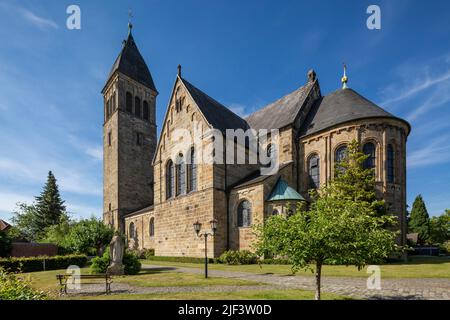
150	270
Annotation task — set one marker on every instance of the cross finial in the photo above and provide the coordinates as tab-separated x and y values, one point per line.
130	16
344	79
179	70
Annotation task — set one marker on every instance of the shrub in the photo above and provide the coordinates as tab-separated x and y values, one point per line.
238	257
5	244
14	287
42	263
146	253
131	263
180	259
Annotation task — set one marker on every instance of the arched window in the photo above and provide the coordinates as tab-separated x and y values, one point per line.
369	150
169	180
132	231
244	214
181	175
137	107
314	171
390	164
129	102
113	99
152	227
340	155
108	108
145	111
192	171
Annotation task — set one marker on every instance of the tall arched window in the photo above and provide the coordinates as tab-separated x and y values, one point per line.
129	102
132	231
137	107
369	149
145	111
192	171
108	111
340	155
314	171
244	214
181	175
169	180
390	164
151	227
113	99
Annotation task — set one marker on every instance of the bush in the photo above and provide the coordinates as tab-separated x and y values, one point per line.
5	244
238	257
13	287
180	259
146	253
131	263
42	263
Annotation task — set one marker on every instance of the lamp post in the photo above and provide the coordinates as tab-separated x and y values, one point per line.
205	234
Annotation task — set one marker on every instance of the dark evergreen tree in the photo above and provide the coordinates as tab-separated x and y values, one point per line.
419	220
49	206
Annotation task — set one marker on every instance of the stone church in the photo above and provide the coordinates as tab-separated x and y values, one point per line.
155	188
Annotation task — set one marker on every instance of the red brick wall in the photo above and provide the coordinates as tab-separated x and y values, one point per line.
33	249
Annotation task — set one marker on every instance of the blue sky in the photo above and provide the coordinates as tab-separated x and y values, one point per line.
245	54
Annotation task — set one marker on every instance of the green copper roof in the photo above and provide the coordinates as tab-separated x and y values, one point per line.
282	191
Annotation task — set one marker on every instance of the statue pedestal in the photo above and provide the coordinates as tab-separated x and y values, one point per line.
116	269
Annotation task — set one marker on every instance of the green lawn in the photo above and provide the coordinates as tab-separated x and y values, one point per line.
417	267
46	281
241	295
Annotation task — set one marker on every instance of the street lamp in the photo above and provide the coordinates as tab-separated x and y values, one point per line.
205	234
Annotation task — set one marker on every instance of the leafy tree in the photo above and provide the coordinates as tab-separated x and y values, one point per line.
419	220
57	234
88	234
342	226
5	244
48	210
14	287
440	228
24	221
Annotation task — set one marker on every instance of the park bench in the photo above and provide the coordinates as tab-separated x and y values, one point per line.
84	279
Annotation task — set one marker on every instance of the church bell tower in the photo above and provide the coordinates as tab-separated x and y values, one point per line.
129	135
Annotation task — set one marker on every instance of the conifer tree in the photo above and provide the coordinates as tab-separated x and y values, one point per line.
49	206
419	220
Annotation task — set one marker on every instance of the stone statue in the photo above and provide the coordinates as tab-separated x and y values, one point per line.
116	248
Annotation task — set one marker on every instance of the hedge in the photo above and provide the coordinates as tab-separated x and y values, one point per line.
210	260
42	263
180	259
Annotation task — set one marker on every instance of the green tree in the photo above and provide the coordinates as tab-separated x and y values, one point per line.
24	221
5	244
87	235
57	234
33	220
440	228
419	220
343	225
50	207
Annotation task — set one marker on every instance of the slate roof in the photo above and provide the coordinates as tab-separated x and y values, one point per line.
256	176
281	112
283	192
143	210
341	106
219	116
130	63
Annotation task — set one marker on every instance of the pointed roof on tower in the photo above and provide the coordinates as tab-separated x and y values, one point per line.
130	63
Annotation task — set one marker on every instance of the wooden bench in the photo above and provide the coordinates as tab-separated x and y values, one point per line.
90	279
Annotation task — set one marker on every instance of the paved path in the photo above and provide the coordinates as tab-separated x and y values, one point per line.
406	288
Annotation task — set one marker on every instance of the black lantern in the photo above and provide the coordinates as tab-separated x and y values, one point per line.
213	225
197	227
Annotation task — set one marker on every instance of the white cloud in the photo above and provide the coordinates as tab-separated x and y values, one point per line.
438	151
239	109
8	201
36	20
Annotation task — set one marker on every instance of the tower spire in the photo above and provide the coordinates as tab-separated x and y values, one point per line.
344	78
130	25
